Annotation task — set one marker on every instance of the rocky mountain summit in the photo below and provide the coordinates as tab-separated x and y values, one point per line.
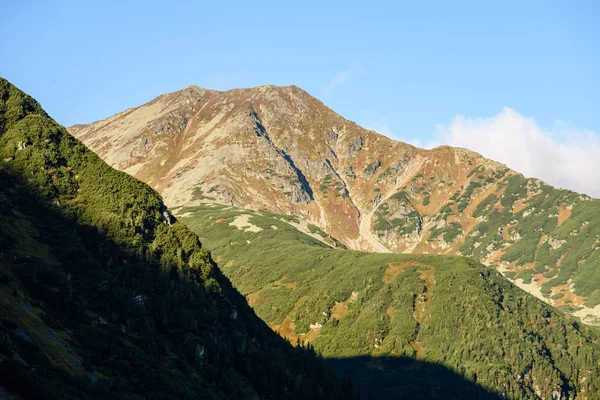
273	148
281	150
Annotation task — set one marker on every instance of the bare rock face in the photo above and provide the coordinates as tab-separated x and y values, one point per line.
348	172
352	147
271	148
398	221
555	243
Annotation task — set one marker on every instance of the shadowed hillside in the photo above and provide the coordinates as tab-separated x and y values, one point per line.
105	295
407	378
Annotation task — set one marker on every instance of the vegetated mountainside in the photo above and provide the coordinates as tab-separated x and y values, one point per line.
382	315
279	149
104	295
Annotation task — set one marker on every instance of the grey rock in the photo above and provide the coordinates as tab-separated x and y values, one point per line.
349	173
16	357
144	144
168	217
332	136
27	308
200	353
556	243
371	169
21	333
139	299
353	147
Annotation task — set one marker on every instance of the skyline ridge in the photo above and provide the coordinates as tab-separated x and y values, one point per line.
423	146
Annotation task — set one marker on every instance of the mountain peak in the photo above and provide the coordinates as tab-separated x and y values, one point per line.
278	149
194	89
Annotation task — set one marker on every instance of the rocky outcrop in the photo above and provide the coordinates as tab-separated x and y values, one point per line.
352	147
555	243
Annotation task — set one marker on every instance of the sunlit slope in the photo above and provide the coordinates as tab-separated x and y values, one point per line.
281	150
441	309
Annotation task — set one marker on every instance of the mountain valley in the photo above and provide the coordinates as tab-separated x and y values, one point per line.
108	292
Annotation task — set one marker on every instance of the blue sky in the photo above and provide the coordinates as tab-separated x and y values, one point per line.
407	69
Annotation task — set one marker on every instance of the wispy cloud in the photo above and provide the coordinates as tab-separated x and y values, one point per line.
339	79
563	156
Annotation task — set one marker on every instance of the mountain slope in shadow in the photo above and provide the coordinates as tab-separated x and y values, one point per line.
406	378
103	294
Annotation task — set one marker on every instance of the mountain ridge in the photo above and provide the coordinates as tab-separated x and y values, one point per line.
281	150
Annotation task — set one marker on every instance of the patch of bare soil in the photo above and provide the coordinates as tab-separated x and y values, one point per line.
563	214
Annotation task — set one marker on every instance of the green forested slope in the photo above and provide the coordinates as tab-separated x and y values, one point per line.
538	232
105	295
374	313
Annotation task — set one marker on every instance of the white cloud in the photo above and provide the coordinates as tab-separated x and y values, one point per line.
339	79
564	156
